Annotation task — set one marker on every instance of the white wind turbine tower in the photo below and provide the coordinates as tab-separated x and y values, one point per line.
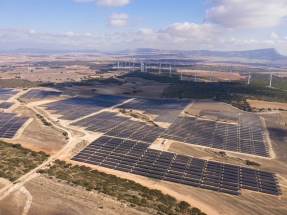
181	75
194	77
230	73
249	76
118	64
270	78
159	68
210	77
133	67
169	71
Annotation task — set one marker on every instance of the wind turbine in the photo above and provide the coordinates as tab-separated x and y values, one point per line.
270	78
169	71
230	75
195	77
118	64
249	77
133	67
159	71
181	75
210	77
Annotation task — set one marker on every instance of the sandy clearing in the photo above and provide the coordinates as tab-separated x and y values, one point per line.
263	104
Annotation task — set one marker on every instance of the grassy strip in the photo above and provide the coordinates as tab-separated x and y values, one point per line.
124	190
16	161
16	83
109	80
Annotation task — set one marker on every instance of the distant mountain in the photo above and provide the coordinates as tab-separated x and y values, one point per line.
270	54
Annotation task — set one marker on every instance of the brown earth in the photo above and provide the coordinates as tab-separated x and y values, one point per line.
37	136
215	74
51	197
264	104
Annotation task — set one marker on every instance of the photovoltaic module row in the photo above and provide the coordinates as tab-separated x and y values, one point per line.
247	137
40	94
6	105
120	126
10	124
137	158
6	94
75	108
167	110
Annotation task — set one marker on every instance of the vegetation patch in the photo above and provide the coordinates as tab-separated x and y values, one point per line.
251	163
45	122
124	190
16	83
16	161
109	80
235	93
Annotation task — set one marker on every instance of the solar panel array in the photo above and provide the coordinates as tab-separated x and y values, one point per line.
247	137
221	114
135	157
10	123
167	110
39	94
120	126
75	108
6	94
6	105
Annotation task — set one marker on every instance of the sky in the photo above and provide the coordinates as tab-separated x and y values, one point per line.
113	25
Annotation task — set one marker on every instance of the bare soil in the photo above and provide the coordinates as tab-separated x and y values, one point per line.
264	104
52	197
37	136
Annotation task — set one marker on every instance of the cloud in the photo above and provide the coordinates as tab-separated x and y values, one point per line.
246	13
112	2
69	34
187	29
118	19
273	35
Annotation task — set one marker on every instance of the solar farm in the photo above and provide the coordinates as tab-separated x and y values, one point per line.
136	157
125	142
6	94
120	126
10	123
75	108
246	137
166	110
6	105
40	94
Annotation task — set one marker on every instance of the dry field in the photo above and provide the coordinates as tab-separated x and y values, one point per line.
215	75
46	74
144	88
264	104
209	104
37	136
50	197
